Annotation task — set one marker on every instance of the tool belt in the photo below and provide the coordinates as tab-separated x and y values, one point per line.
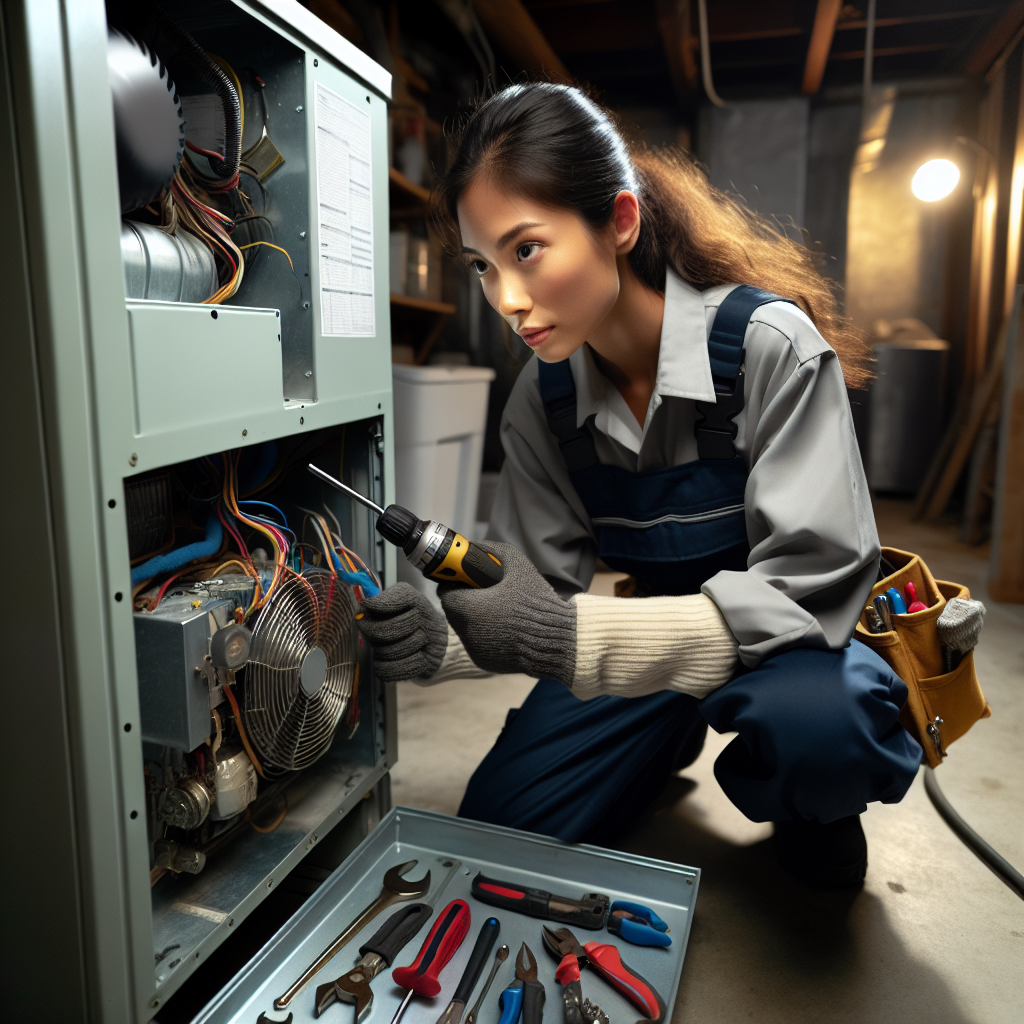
941	705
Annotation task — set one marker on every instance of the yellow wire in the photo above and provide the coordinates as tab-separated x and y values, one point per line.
272	246
233	561
279	553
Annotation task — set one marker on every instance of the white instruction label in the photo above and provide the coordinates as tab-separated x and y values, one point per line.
345	208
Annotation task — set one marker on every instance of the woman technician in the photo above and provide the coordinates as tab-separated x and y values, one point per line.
693	431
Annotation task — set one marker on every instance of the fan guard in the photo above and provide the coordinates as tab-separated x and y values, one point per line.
301	669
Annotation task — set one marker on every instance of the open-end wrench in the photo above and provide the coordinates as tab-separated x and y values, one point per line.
499	958
395	890
354	986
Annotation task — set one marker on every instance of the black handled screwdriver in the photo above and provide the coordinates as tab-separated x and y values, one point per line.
435	549
481	951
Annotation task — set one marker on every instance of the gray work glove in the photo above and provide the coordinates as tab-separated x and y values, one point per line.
959	628
518	625
407	633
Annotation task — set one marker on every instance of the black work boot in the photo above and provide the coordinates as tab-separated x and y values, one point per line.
832	856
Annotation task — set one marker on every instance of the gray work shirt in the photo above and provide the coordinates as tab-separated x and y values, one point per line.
813	545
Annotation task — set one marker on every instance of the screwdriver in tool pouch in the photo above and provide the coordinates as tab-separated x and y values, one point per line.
420	977
435	549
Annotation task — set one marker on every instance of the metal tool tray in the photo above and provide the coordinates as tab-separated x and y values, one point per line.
405	834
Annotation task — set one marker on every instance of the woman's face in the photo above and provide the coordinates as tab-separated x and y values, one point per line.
544	269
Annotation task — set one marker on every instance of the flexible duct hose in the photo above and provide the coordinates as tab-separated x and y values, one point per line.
190	55
175	559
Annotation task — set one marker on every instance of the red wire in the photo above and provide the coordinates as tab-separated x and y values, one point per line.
163	590
234	533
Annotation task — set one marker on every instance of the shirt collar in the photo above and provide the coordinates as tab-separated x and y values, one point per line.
684	368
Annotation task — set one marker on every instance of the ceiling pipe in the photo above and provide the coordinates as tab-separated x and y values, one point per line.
705	55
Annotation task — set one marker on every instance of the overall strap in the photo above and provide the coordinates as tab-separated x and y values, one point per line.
715	430
558	392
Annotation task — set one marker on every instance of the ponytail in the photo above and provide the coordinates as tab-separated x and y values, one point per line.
554	145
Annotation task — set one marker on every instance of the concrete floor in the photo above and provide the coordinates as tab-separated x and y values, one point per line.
933	936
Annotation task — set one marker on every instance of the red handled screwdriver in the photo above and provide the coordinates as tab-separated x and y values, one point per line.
420	977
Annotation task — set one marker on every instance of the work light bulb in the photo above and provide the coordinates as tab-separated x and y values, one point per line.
935	180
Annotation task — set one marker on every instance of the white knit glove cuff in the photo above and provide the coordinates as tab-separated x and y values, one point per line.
456	664
629	648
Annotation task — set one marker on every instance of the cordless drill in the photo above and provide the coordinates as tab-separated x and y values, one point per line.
435	549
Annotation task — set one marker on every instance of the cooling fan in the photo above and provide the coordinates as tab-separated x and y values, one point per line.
301	669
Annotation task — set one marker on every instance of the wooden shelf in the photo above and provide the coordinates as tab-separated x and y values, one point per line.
424	305
404	192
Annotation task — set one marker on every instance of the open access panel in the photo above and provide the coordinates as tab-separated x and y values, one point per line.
198	194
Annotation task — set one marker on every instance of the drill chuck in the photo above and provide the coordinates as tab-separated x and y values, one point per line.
435	549
400	526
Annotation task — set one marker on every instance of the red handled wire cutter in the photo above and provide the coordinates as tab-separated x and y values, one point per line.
604	959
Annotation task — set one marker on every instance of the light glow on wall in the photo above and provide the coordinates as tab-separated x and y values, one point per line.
935	180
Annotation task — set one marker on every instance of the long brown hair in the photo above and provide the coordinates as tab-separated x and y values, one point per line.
553	144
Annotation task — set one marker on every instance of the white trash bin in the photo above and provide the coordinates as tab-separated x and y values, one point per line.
440	417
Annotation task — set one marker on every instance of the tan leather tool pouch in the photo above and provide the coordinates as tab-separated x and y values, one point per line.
941	705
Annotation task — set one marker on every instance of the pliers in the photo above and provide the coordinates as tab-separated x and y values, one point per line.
605	960
638	924
526	994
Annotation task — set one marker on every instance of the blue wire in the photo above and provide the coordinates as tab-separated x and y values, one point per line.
276	526
284	518
356	579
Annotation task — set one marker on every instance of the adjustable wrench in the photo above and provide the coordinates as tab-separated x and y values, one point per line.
375	955
395	890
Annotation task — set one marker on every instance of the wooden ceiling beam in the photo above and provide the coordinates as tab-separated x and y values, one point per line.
509	24
675	25
989	49
825	18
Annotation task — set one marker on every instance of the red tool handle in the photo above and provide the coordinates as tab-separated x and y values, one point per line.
438	948
606	961
568	970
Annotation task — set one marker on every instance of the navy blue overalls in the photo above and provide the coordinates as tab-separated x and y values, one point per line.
819	735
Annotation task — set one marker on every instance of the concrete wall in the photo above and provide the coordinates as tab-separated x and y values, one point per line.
896	263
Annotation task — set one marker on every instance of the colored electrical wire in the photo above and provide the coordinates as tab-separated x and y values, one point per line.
251	245
266	504
241	731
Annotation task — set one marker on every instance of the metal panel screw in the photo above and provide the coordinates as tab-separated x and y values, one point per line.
316	63
270	882
298	110
133	459
245	433
231	921
302	234
305	305
302	419
309	373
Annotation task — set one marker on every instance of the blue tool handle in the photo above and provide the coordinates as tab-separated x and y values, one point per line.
510	1002
642	934
641	911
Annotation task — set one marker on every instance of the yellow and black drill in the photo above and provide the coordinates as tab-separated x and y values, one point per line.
435	549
